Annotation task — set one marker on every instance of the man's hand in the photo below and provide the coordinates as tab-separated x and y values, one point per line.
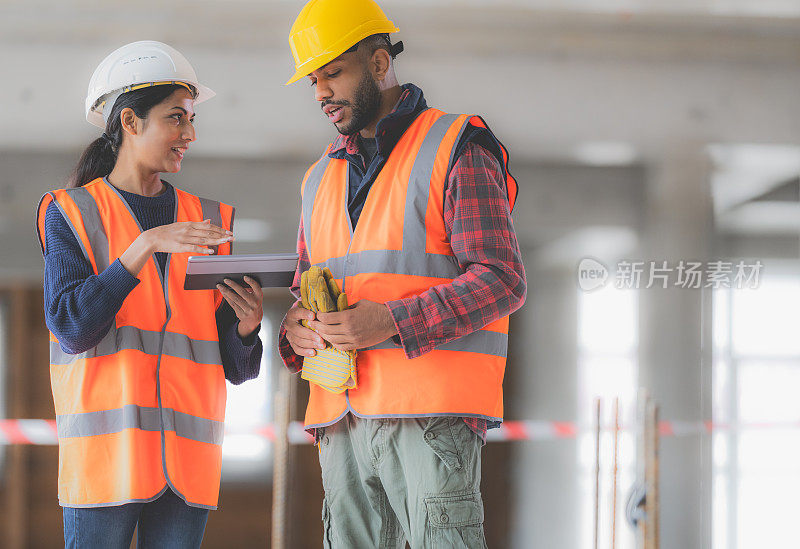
362	325
303	340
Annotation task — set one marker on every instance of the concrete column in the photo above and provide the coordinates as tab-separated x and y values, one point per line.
675	331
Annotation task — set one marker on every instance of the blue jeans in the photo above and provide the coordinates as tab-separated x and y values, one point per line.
166	522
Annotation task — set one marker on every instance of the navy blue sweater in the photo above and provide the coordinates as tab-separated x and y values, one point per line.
80	306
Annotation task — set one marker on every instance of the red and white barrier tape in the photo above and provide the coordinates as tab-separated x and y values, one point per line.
43	431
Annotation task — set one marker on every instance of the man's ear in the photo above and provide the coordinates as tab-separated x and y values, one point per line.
380	63
130	122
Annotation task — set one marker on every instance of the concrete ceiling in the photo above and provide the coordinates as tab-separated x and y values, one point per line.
550	81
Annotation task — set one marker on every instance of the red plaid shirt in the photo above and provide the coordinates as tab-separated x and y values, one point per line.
478	222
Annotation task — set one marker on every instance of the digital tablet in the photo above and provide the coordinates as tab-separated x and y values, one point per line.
270	270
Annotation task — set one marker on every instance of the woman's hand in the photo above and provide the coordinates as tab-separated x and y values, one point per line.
183	237
187	237
245	302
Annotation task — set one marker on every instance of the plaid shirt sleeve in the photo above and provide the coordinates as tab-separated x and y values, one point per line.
478	221
293	361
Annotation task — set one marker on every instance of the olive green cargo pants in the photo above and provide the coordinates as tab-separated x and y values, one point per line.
388	481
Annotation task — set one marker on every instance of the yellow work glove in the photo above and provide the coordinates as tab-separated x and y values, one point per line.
330	368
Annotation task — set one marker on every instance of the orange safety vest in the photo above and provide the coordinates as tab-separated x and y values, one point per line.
145	408
400	248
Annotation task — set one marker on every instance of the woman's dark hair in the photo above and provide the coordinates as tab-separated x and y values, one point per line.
100	156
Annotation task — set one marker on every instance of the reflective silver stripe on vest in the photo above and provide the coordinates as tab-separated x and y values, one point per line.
74	230
93	223
147	341
310	192
395	261
463	127
419	186
482	341
145	418
211	210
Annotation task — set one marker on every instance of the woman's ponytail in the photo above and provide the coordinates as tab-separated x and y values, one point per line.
100	156
96	161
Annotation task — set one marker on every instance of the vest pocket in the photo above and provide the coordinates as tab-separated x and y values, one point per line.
455	521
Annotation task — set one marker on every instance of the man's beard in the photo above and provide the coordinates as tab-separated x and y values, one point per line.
365	106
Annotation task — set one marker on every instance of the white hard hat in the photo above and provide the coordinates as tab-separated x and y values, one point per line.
139	64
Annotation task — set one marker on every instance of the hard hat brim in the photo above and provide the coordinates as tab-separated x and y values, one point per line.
204	93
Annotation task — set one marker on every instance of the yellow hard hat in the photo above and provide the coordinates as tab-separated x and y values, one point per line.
325	29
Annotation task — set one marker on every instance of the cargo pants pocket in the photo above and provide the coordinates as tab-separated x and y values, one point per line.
455	521
438	435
